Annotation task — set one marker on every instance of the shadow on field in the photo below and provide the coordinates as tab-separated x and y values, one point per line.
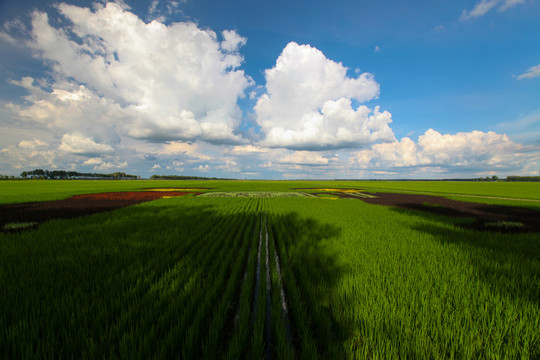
509	263
317	273
138	282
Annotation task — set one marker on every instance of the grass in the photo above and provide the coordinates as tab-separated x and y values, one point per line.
44	190
177	278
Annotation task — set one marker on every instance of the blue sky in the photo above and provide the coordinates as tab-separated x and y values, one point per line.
284	89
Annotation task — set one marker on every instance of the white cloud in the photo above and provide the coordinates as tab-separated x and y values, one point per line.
109	166
189	149
66	106
80	145
474	150
531	73
232	41
484	6
509	3
307	104
304	158
480	9
93	161
229	166
145	80
246	149
27	154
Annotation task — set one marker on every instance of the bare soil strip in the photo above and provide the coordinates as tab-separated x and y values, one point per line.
453	194
488	217
75	206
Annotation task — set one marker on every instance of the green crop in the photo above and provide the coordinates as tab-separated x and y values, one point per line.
252	277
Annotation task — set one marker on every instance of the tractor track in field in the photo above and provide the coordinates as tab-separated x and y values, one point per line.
268	327
284	308
268	243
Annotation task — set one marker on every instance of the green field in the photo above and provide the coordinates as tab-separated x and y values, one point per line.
252	276
43	190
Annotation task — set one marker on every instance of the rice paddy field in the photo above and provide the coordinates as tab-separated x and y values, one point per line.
271	269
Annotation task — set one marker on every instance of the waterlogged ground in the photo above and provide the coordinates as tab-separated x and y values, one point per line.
366	275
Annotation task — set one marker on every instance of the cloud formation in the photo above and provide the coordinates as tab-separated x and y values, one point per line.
122	93
471	150
78	144
533	72
308	104
484	6
157	82
29	154
304	158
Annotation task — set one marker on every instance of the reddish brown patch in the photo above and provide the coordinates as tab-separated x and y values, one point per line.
486	215
76	206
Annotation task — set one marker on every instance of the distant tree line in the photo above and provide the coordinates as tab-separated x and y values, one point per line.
7	177
523	178
510	178
71	175
181	177
487	178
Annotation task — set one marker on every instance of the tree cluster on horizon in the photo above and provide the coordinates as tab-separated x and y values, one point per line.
68	175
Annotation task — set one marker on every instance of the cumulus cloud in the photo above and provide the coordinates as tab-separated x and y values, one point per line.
108	166
484	6
149	81
28	154
307	104
531	73
163	7
189	149
93	161
304	158
80	145
232	41
470	150
246	149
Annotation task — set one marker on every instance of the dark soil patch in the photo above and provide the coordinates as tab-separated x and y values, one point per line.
75	206
498	218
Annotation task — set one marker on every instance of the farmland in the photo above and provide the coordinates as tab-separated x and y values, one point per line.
244	269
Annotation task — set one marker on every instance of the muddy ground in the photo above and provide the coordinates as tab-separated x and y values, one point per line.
76	206
487	217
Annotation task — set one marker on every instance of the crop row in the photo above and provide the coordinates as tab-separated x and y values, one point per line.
216	282
244	278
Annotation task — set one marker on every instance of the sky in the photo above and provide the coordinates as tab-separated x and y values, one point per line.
271	90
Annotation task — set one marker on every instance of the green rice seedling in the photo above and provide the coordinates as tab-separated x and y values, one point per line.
283	346
217	324
257	350
165	279
300	318
237	346
194	333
